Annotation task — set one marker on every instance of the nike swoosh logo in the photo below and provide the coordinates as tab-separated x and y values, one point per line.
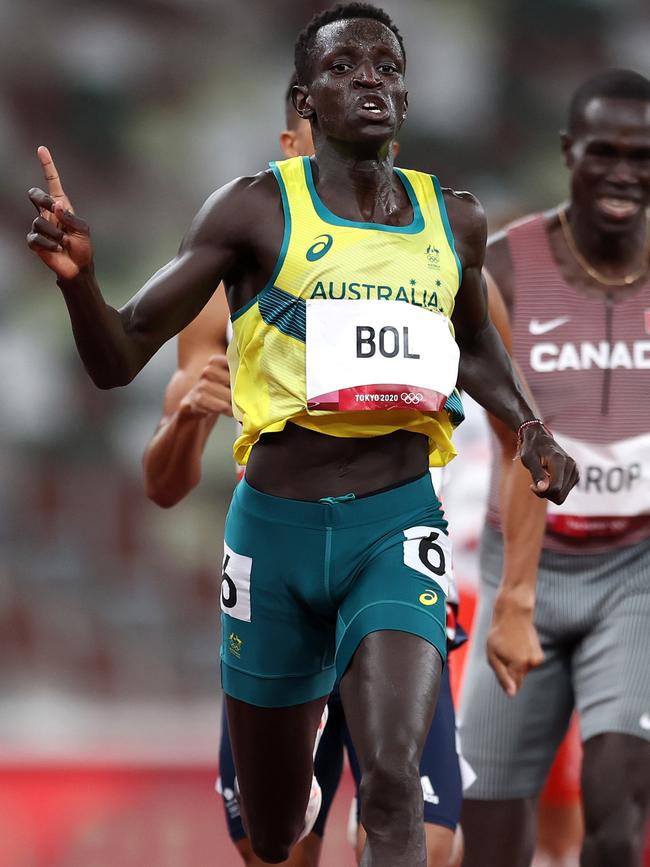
536	327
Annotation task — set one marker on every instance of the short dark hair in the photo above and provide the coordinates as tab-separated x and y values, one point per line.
613	84
341	12
291	115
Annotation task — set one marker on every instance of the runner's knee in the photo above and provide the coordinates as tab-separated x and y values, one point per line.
616	813
272	844
390	794
611	843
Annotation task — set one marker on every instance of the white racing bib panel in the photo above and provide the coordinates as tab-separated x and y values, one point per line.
428	550
236	584
614	487
378	355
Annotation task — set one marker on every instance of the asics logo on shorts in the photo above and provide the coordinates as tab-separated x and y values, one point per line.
428	598
411	397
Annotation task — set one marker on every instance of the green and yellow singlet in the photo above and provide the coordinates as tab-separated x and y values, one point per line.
355	317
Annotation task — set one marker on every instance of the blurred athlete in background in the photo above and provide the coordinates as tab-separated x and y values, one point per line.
577	283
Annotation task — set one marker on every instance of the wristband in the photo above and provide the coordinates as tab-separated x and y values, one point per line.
522	427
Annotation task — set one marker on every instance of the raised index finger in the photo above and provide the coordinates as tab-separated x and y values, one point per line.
54	187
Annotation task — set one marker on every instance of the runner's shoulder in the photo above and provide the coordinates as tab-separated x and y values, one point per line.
468	224
465	209
239	207
499	239
498	259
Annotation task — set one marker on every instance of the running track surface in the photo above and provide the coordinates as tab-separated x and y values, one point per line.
82	816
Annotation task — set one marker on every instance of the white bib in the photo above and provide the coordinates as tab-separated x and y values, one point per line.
614	487
370	355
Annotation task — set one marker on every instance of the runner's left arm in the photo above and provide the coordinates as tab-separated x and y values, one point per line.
197	394
486	372
115	344
513	646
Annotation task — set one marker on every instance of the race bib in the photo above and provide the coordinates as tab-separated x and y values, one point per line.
428	551
365	355
236	584
613	491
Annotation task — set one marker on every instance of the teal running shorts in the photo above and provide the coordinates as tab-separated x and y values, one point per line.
303	583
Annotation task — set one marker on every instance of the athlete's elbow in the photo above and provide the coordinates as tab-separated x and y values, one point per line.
161	495
111	376
163	499
166	495
105	383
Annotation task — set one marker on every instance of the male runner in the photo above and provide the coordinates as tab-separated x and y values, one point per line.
197	394
341	275
577	282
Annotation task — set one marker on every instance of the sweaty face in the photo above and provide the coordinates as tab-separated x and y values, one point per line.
609	158
357	91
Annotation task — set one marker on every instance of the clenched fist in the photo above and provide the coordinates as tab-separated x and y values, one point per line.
553	471
210	395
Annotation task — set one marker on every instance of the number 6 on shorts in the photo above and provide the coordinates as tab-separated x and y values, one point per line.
236	584
428	551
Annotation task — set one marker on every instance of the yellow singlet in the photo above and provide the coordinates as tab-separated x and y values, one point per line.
326	257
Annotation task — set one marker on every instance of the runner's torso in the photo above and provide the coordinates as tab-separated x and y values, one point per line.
347	324
586	358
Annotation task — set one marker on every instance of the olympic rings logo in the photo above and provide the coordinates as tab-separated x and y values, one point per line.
410	397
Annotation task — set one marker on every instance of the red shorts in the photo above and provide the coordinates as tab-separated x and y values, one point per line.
563	782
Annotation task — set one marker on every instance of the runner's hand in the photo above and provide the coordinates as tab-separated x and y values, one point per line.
554	473
513	647
59	238
211	393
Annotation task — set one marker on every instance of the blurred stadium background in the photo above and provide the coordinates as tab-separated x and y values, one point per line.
109	682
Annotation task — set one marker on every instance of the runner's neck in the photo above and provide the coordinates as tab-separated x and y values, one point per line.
360	186
610	258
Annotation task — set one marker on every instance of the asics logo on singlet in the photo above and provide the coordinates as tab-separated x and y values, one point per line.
411	397
319	248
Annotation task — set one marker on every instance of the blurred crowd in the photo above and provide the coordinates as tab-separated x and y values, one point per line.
147	106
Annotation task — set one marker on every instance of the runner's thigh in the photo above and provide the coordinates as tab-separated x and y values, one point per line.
611	664
510	742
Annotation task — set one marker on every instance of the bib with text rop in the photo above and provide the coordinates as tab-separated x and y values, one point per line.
613	494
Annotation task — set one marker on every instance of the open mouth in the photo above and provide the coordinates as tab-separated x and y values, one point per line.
373	108
617	208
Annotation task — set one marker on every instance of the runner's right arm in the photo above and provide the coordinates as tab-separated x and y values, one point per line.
234	235
197	394
513	647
